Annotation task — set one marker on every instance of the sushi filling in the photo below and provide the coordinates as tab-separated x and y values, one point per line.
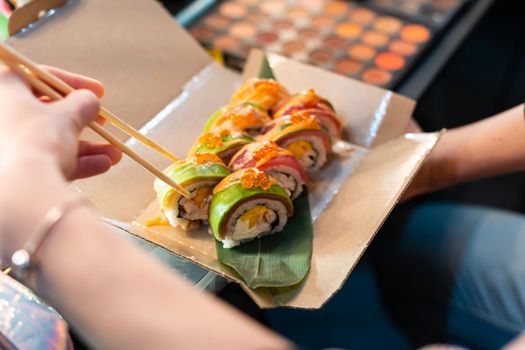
196	207
288	181
188	213
254	219
308	151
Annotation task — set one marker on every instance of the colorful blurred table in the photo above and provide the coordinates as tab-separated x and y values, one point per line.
229	24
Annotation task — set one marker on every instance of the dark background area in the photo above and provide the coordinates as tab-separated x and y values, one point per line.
175	5
484	77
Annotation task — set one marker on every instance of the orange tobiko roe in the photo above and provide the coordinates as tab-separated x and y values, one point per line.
310	98
268	150
201	158
244	120
265	92
255	178
305	119
210	140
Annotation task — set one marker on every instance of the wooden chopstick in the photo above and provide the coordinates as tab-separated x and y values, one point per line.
64	88
46	90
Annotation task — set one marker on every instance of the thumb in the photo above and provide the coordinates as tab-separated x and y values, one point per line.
81	107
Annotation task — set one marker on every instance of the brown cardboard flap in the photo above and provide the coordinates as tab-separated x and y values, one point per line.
134	47
29	13
164	237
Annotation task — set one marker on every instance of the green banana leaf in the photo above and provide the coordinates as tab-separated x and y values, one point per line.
279	261
266	71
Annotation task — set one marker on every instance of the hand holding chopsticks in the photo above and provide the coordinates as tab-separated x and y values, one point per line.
56	89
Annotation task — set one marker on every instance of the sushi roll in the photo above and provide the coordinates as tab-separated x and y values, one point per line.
248	204
246	117
301	134
198	175
309	102
275	161
266	93
222	143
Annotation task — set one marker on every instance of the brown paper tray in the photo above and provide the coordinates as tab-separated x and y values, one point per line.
344	228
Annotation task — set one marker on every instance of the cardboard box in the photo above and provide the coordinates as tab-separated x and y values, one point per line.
160	80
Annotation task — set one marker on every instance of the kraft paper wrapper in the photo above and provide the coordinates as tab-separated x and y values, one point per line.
30	12
158	78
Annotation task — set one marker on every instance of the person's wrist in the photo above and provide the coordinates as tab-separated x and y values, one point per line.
442	164
31	185
17	162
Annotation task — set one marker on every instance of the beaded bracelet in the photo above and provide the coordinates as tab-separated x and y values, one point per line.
23	261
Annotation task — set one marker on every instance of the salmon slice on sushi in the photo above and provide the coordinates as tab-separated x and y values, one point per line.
309	102
301	134
276	161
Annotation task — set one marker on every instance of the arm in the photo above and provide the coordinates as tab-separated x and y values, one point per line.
117	297
517	343
490	147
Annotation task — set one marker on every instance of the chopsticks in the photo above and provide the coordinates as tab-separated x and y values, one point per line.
65	89
40	79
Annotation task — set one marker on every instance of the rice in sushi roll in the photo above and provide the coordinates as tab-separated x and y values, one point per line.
198	175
